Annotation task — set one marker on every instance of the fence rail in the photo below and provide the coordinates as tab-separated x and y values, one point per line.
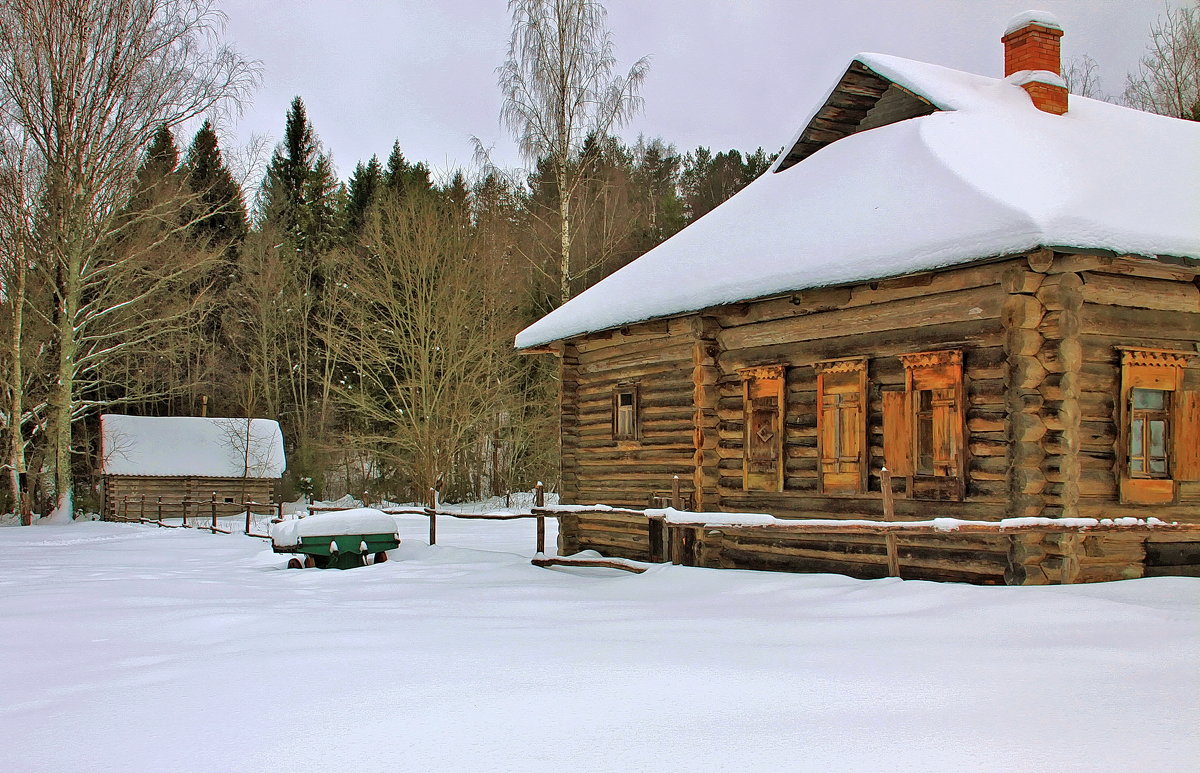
205	514
209	515
432	512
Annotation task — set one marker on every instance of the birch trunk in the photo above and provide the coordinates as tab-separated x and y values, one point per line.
16	438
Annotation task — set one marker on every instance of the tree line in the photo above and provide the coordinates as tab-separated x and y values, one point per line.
142	273
374	319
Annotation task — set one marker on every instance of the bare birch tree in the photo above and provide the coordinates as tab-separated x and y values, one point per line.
559	88
18	199
1083	77
88	82
1167	79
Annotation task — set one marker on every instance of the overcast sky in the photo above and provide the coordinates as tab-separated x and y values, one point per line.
723	73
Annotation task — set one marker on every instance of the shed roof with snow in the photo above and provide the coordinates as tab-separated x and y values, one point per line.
177	446
908	167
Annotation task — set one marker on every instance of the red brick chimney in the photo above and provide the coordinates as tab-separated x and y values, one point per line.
1032	52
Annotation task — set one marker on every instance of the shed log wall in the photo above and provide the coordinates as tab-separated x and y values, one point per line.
173	490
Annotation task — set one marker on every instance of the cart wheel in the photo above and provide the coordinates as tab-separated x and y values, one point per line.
309	562
295	563
380	557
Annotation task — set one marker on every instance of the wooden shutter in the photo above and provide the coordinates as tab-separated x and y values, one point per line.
897	434
945	432
1187	435
841	425
762	450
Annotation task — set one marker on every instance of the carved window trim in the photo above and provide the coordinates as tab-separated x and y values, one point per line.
1161	370
842	415
763	408
934	412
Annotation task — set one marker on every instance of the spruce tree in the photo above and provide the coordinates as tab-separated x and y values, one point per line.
403	178
361	193
157	177
286	185
219	209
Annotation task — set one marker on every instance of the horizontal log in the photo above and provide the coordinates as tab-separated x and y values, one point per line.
881	346
1177	325
978	303
1141	292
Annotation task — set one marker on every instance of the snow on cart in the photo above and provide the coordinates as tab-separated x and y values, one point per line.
338	540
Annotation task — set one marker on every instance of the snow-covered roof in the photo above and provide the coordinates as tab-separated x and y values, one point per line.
191	446
985	174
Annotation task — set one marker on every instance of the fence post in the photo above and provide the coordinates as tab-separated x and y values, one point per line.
676	497
889	514
656	532
432	508
247	506
214	512
539	500
160	523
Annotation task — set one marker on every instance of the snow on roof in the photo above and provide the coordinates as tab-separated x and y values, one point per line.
189	445
986	175
1025	18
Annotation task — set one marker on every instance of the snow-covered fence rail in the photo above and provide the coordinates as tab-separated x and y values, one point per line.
1020	551
539	513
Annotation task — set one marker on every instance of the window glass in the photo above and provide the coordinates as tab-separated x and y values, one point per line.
1149	399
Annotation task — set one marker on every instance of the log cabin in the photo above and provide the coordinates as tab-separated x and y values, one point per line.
145	460
987	285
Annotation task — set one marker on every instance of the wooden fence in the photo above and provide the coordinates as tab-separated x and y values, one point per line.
206	514
965	551
432	511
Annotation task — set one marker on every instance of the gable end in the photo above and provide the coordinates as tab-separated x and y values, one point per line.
862	100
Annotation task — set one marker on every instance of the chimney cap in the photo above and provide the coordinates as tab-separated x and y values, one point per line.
1027	18
1037	76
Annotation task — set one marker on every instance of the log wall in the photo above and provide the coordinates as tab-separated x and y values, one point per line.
1042	383
960	308
1128	302
660	357
176	489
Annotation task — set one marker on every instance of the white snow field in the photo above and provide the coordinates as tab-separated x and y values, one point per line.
132	648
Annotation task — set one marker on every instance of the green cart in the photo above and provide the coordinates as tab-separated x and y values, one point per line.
337	540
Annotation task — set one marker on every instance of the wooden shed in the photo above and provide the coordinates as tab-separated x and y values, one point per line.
178	459
982	283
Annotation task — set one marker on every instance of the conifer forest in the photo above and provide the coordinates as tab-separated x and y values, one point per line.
150	269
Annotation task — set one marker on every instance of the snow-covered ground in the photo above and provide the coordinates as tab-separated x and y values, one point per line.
132	648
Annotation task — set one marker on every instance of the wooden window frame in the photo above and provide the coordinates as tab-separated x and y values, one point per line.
633	389
850	372
760	386
1161	370
941	373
